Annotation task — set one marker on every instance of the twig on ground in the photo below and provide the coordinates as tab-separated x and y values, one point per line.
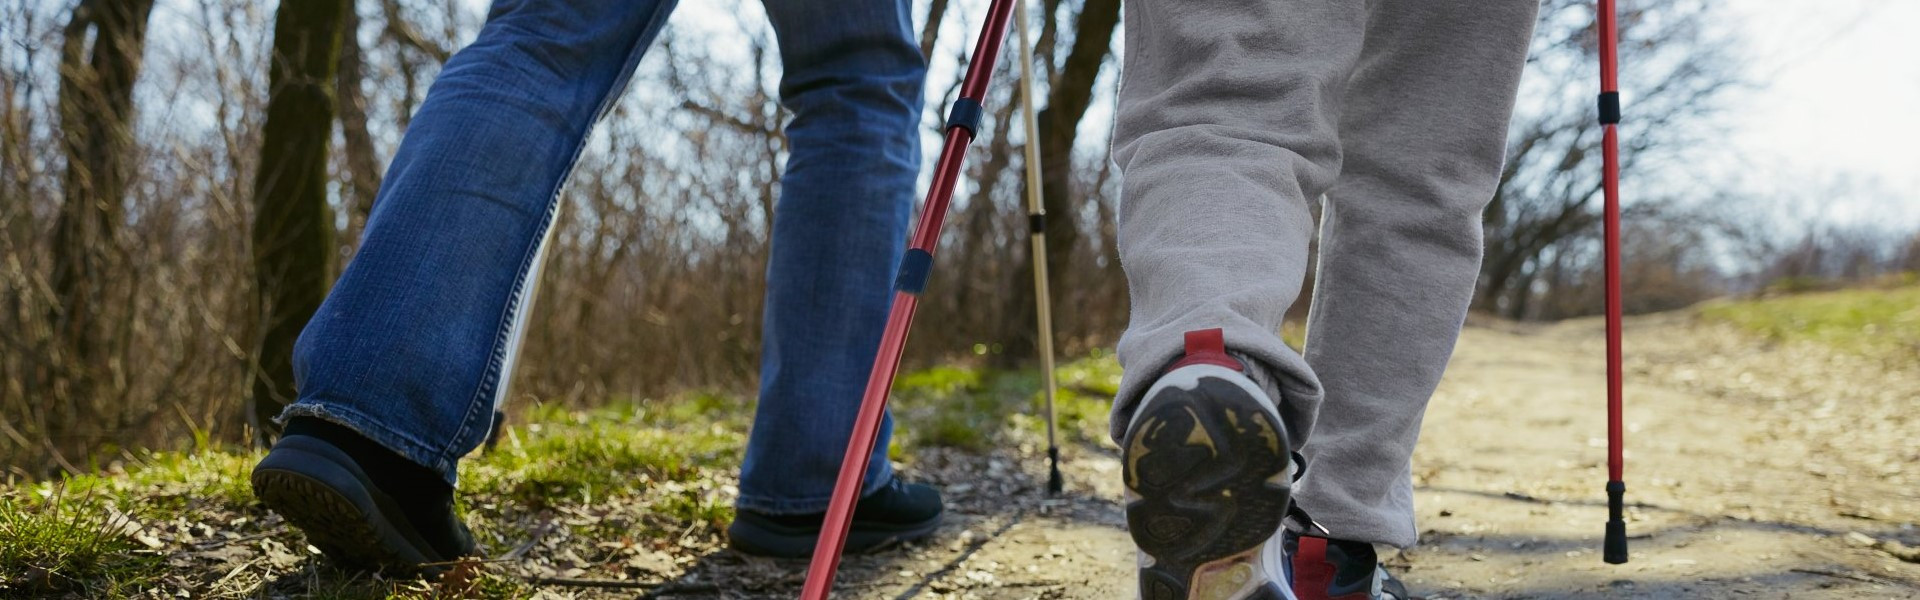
1892	548
205	546
1844	575
521	550
654	589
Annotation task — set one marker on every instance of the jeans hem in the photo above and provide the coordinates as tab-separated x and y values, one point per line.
801	506
392	439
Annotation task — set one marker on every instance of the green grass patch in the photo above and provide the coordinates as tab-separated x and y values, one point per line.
56	539
1878	322
177	479
976	409
695	506
568	461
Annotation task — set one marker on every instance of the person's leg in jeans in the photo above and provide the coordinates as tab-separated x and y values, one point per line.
1424	126
408	352
853	77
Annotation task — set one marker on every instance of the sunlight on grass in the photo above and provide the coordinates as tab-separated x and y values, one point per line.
59	539
976	408
1876	322
640	470
565	461
208	475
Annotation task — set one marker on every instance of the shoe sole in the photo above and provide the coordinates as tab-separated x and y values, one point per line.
323	494
1207	461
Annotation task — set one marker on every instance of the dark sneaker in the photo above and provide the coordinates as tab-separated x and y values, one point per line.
1329	569
895	513
320	487
1208	475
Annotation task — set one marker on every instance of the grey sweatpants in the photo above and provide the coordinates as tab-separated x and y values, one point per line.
1235	114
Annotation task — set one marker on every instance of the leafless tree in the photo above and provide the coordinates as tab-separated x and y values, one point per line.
1550	188
292	228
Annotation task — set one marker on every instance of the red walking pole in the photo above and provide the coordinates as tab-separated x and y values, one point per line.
962	124
1614	550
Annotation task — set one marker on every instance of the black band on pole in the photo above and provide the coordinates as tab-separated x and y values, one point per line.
914	268
1609	108
965	114
1037	222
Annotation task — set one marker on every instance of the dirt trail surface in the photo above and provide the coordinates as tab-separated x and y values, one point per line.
1754	471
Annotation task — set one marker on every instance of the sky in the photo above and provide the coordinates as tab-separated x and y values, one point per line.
1835	98
1838	95
1833	106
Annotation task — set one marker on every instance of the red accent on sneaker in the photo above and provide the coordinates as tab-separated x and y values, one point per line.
1207	347
1313	573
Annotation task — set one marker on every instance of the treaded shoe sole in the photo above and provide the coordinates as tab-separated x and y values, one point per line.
1207	462
321	491
753	535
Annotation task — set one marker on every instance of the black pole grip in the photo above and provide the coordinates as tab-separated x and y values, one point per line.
1614	550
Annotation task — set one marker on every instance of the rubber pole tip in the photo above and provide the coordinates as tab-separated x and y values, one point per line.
1055	484
1615	549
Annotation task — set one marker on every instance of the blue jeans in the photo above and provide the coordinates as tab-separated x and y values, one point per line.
411	346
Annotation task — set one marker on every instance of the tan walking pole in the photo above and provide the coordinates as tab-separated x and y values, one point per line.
1037	228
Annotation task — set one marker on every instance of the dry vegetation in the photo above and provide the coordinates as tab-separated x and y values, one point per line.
140	307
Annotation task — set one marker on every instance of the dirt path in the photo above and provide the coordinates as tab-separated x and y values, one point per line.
1749	467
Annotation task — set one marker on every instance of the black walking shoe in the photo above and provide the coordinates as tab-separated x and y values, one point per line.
1208	476
895	513
360	504
1329	569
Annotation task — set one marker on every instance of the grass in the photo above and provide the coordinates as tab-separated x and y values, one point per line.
977	409
159	522
61	538
569	462
1881	321
138	529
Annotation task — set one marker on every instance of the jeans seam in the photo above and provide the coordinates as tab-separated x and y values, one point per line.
445	458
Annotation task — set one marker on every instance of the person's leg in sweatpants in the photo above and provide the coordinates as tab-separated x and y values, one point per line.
1226	127
1424	127
1215	236
853	77
399	369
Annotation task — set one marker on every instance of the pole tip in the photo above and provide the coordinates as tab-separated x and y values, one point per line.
1615	550
1055	483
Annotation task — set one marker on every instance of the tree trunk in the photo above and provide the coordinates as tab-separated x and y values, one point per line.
292	230
930	33
363	164
1067	104
99	61
1059	123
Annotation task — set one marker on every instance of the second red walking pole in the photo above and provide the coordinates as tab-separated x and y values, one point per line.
1614	549
963	123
